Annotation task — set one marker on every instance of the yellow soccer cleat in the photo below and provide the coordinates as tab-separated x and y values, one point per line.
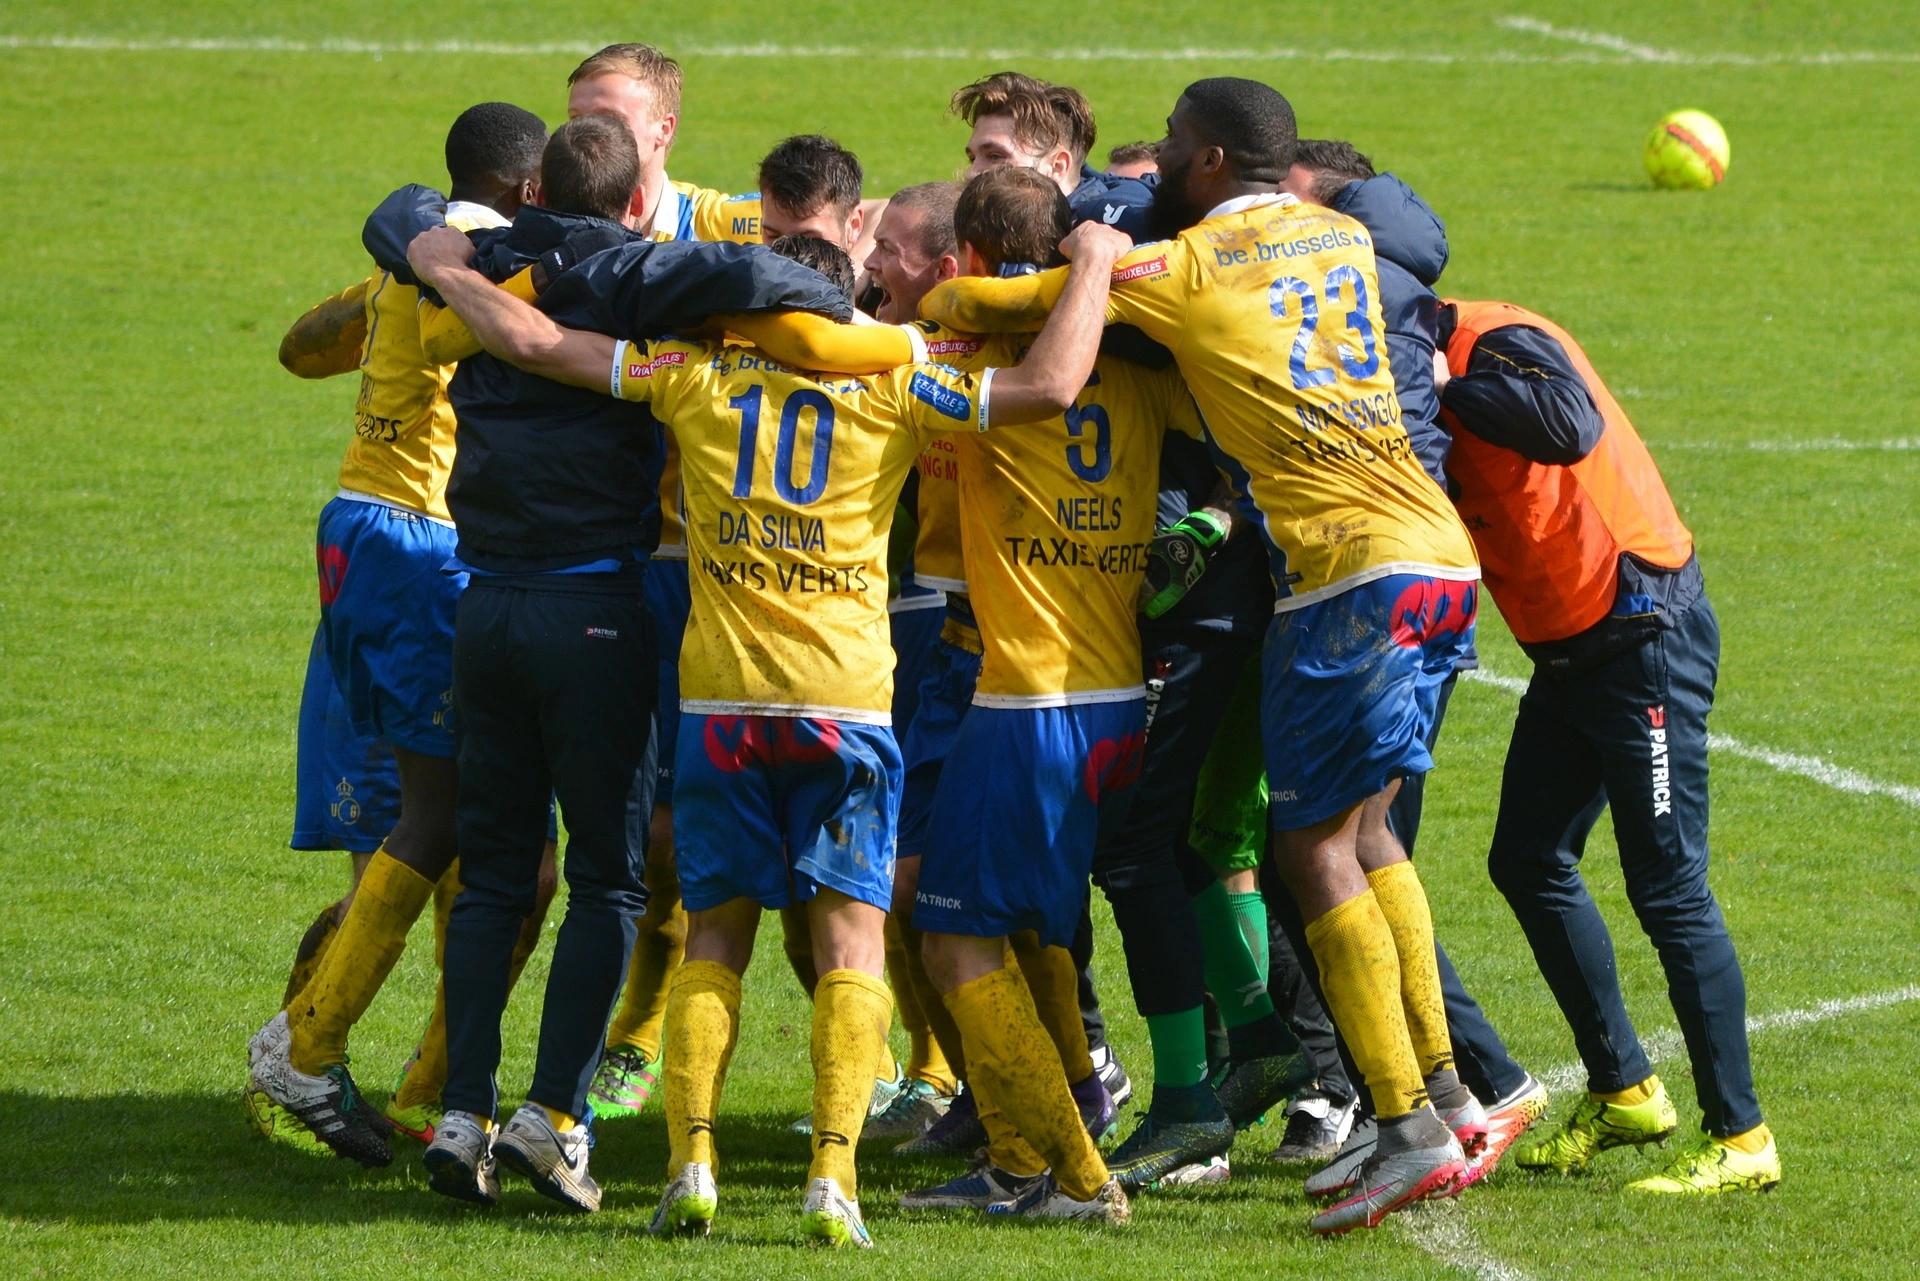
276	1124
1597	1125
1709	1165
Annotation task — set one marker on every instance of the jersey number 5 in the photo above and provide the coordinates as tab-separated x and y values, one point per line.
1079	418
1361	364
748	403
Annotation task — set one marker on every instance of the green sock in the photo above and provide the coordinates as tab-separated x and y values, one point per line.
1179	1047
1251	911
1238	982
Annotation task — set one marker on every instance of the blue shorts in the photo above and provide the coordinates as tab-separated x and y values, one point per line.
386	612
946	692
915	620
669	599
1350	685
347	787
771	808
1020	808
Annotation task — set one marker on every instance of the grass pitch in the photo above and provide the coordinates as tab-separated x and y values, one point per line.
173	209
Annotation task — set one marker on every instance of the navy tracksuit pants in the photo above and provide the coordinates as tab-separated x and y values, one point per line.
1629	734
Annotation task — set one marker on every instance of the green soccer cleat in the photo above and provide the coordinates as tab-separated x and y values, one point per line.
831	1218
277	1125
418	1121
1707	1165
1596	1126
688	1205
625	1082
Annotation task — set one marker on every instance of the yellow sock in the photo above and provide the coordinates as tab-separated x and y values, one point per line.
1005	1147
851	1014
703	1022
1360	973
946	1033
1403	901
389	900
925	1061
1752	1142
657	953
1055	984
561	1121
1013	1059
1633	1095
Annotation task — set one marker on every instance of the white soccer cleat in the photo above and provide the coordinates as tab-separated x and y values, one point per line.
459	1162
1334	1178
831	1218
329	1105
555	1162
688	1205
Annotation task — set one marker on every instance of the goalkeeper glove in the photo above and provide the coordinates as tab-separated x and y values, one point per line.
1176	560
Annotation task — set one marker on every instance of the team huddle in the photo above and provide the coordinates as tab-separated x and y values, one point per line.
908	567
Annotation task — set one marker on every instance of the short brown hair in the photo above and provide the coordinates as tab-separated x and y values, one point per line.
591	166
1333	164
935	200
1013	215
1131	153
825	257
1045	115
640	62
807	173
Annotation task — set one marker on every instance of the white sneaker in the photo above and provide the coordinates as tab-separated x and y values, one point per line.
688	1205
831	1218
459	1161
554	1162
329	1104
1339	1174
1046	1200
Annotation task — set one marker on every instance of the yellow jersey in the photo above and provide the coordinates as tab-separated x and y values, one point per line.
791	482
1271	309
937	560
1055	522
402	448
694	213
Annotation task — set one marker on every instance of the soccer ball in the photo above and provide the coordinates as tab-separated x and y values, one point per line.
1687	151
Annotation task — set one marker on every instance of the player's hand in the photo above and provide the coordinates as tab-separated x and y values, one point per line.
1442	372
1095	243
438	249
1176	559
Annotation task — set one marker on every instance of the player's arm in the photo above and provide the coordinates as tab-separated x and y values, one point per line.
803	340
1521	392
328	339
503	324
1044	385
1146	293
445	339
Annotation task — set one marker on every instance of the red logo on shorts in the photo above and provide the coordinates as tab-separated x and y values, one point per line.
1432	608
333	573
1657	716
735	742
1113	764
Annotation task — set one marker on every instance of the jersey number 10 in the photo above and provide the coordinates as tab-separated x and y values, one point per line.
748	403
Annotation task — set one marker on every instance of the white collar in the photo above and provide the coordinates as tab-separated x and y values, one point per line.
663	223
1256	201
475	215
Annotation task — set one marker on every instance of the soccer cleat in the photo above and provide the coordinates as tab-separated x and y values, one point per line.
1046	1200
984	1185
1215	1169
459	1160
1112	1075
417	1120
1507	1120
1157	1149
1254	1087
830	1218
1706	1165
1338	1175
912	1113
1596	1126
1315	1130
555	1162
276	1124
1389	1181
884	1093
1098	1111
958	1133
688	1205
1468	1122
329	1105
624	1082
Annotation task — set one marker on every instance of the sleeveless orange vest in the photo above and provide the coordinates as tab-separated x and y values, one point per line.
1550	537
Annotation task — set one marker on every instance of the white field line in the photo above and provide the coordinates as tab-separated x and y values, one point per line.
1440	1228
1597	54
1634	52
1665	1044
1837	777
1825	445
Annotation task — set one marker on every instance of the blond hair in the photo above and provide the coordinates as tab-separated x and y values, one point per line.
641	62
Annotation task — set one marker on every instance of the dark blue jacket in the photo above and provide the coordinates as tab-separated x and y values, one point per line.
1410	250
1118	202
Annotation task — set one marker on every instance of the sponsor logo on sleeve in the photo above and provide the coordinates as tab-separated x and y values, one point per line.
945	400
645	369
1156	266
954	347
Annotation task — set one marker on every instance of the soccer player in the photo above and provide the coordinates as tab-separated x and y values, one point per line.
1131	160
1598	578
1271	310
386	631
789	775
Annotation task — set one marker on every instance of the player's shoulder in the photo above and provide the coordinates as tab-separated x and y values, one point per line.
718	215
1153	260
665	356
949	391
946	346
